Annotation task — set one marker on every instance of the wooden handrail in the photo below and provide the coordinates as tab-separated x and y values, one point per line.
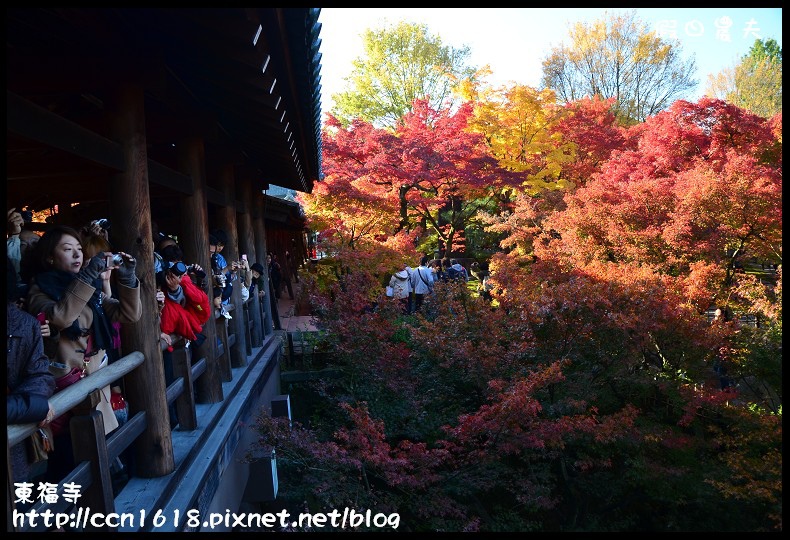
75	394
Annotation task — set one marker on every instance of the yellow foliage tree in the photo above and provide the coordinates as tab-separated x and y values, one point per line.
754	83
517	123
618	57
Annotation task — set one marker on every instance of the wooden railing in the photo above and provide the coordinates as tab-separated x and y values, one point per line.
93	451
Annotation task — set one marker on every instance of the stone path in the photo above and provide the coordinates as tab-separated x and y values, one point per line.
288	321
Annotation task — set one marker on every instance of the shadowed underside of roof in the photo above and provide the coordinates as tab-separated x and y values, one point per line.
244	80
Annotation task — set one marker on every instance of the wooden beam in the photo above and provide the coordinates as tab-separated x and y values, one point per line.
28	119
34	122
167	177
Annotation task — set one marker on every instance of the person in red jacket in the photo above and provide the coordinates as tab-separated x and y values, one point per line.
186	307
185	310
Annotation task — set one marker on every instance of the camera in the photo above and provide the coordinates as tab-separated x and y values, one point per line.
27	216
114	260
199	273
177	268
215	263
104	223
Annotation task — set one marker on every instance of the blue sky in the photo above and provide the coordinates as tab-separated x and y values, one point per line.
514	41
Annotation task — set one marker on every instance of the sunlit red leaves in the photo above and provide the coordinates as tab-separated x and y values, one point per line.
521	226
675	139
516	422
694	189
378	182
702	284
444	159
737	207
592	128
407	465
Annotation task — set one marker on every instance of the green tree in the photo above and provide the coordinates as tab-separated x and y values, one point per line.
619	58
754	83
400	64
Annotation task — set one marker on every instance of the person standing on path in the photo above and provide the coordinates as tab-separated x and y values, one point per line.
421	282
401	287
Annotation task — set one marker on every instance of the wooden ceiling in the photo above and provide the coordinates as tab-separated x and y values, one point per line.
245	80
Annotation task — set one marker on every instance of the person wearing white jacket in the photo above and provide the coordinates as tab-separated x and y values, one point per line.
401	287
421	282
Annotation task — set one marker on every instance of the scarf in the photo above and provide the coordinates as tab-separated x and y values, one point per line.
54	282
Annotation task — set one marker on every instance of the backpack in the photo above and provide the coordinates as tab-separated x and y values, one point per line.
452	273
401	287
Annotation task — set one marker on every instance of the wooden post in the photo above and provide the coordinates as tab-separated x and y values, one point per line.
247	245
223	357
185	403
247	327
89	443
256	334
227	221
246	232
194	243
130	207
259	228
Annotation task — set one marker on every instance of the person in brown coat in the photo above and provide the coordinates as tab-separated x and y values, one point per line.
70	296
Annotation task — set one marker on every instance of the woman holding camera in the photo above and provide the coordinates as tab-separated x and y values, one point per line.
70	296
93	244
186	307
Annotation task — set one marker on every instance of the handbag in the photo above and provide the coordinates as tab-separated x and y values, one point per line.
245	293
61	423
119	405
69	378
390	292
42	442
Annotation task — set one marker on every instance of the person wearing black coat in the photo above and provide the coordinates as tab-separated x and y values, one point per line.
29	380
30	384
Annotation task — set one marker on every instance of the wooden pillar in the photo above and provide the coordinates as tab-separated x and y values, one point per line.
258	205
246	233
259	228
257	332
194	243
227	220
247	245
130	205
